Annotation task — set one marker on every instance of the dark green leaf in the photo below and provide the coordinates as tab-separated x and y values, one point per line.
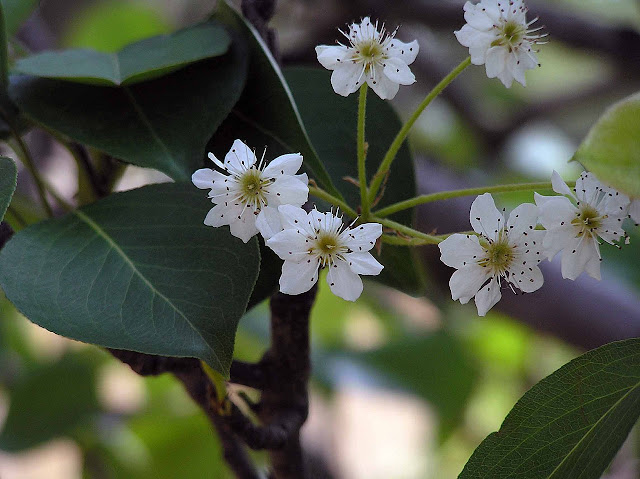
48	402
331	122
267	109
8	178
137	271
435	367
570	424
140	61
611	150
16	12
163	123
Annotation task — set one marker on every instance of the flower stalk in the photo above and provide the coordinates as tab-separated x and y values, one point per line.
362	154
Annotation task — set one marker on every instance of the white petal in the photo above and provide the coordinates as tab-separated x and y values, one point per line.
458	250
527	278
477	41
346	78
485	217
289	245
576	257
610	229
634	210
516	67
323	221
287	190
478	19
268	222
592	268
522	219
239	158
558	239
283	165
363	263
406	52
487	297
244	227
559	186
220	215
203	178
343	282
466	282
298	278
294	217
362	237
332	56
383	86
555	211
496	61
398	72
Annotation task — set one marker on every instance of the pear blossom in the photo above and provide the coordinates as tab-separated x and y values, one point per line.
310	241
575	229
499	253
372	56
250	188
499	37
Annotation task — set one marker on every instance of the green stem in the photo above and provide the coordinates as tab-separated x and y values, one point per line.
362	154
405	230
329	198
445	195
404	131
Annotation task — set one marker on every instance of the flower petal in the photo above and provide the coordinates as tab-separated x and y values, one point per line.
221	215
527	278
477	41
634	210
346	79
576	258
203	178
332	56
477	18
343	282
268	222
298	278
363	263
239	158
557	239
398	72
289	245
245	226
555	211
294	217
287	190
496	61
485	217
406	52
283	165
362	237
383	86
522	219
559	186
487	297
458	250
466	282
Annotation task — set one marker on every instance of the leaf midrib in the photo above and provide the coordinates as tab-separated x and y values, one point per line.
103	234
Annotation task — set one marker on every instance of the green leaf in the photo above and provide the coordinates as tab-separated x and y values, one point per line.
571	424
611	150
435	367
267	108
8	178
50	401
331	122
16	13
136	271
163	123
137	62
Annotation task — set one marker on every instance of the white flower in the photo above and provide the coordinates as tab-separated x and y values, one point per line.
310	241
250	189
634	210
508	252
574	229
372	56
498	36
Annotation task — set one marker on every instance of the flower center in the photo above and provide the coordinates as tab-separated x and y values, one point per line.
511	34
587	220
253	188
327	247
499	255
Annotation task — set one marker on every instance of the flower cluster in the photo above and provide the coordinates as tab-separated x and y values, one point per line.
258	197
509	253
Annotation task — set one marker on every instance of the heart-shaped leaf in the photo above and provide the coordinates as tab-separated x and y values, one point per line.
569	425
611	150
139	61
267	106
136	271
163	123
8	178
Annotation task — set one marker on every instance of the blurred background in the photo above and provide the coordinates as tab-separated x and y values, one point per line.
403	387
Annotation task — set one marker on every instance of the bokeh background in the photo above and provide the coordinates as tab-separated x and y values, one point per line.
403	387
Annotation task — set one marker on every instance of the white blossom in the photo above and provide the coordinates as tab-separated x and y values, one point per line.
250	188
373	56
634	210
575	229
310	241
501	252
498	36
